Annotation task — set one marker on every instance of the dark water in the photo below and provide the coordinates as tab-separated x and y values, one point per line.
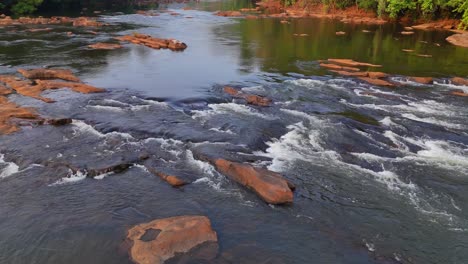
380	179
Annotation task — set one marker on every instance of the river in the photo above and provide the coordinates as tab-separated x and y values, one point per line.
381	174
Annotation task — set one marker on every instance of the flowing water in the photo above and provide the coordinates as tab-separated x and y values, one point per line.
381	174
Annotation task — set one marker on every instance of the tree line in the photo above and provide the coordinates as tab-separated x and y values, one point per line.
430	9
26	7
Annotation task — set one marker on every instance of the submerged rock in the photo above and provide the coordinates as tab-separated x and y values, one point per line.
162	239
43	74
229	13
377	82
174	181
459	40
459	93
352	63
269	185
105	46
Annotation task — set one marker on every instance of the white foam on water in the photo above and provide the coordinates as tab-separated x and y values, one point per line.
388	122
227	131
71	178
229	108
9	169
102	176
106	108
156	103
395	138
81	127
300	143
112	101
135	108
432	120
254	89
338	84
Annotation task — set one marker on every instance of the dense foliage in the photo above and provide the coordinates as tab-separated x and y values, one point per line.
396	8
23	7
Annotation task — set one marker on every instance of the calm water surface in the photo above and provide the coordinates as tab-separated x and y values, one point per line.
380	178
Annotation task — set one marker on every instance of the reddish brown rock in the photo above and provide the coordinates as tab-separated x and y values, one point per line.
5	90
155	43
229	13
459	40
459	81
86	22
77	87
39	30
231	91
43	74
270	186
422	80
377	82
377	75
105	46
250	98
10	111
338	67
352	63
174	181
354	74
161	239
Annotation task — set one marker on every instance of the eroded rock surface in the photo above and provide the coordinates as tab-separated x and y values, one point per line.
44	74
161	239
459	81
269	185
249	98
155	43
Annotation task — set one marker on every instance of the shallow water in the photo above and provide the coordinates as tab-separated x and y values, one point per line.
380	178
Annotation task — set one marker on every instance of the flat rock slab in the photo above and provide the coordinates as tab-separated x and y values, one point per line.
162	239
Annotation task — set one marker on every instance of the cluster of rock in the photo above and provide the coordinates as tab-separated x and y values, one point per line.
77	22
35	82
347	67
154	43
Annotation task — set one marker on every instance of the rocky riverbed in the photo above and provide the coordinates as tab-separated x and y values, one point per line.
180	136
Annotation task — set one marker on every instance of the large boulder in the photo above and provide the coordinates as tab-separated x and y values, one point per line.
459	40
269	185
162	239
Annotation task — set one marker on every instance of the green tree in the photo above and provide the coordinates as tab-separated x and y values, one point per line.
25	6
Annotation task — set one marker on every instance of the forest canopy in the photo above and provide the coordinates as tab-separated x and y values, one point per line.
430	9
